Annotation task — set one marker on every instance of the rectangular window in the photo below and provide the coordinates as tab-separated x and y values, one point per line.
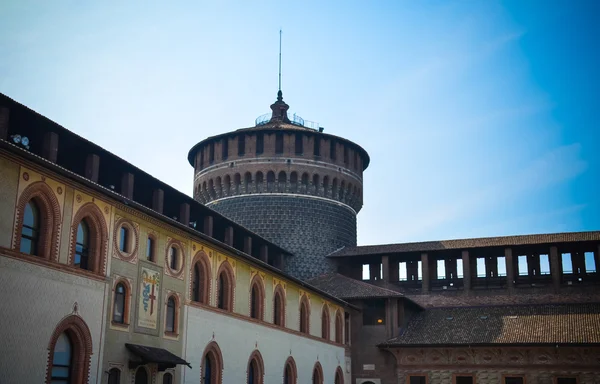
279	143
459	269
566	380
514	380
225	149
464	379
590	263
332	153
419	270
150	249
366	272
402	271
522	266
417	379
211	152
441	269
567	264
260	143
299	145
544	265
481	267
501	265
123	240
374	312
241	145
317	149
380	271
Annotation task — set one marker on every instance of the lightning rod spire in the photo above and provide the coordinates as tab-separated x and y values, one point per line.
280	59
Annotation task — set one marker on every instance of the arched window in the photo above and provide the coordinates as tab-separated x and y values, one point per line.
339	327
30	232
219	187
294	182
257	299
325	322
124	239
248	182
114	376
227	185
141	376
211	188
316	188
279	307
304	315
289	372
325	186
197	281
259	181
317	377
168	378
334	189
172	321
270	181
339	376
225	287
237	180
212	365
82	246
281	181
62	360
120	304
255	369
304	179
69	352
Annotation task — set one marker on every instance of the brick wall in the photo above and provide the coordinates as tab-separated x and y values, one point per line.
309	228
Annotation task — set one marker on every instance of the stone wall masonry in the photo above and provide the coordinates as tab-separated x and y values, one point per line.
309	228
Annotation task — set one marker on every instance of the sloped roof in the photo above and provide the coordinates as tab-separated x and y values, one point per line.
502	241
348	288
538	324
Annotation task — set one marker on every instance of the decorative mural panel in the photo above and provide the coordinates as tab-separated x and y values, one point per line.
148	299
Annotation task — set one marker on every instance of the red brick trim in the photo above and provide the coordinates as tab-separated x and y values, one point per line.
81	339
134	239
325	322
260	367
127	303
227	270
181	249
202	261
339	327
50	219
339	376
213	350
319	371
306	304
98	237
292	364
279	292
257	281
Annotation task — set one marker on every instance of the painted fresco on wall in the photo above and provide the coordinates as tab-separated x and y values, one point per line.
148	299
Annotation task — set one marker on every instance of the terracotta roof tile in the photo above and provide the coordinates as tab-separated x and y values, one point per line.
347	288
540	324
503	241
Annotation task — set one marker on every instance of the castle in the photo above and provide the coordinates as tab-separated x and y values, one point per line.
111	276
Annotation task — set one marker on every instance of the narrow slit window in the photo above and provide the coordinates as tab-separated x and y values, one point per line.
150	249
419	270
590	263
459	268
481	267
402	271
124	237
173	258
441	269
544	265
501	265
567	264
522	266
366	272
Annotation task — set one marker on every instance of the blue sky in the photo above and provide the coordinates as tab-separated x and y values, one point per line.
481	118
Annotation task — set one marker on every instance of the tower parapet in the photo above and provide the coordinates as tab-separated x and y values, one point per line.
297	186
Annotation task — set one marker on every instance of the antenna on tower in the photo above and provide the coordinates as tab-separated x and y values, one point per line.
280	59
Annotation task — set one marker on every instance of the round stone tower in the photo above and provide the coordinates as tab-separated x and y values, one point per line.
287	181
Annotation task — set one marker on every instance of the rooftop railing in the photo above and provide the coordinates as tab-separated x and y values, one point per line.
294	119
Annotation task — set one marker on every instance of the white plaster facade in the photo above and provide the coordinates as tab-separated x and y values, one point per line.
34	301
237	339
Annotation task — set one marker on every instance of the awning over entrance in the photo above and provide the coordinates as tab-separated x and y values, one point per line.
145	355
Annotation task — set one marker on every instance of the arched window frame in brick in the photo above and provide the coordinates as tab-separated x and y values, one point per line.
339	376
339	327
226	269
257	283
304	315
318	370
294	371
98	237
175	297
279	292
50	219
126	304
256	357
202	262
325	322
213	350
81	343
